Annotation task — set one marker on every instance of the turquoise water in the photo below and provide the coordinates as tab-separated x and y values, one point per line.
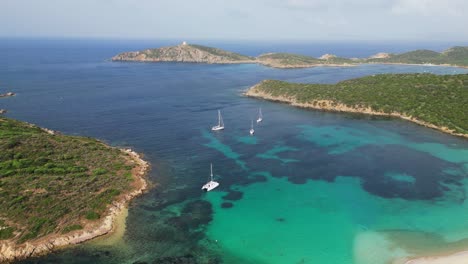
338	221
308	187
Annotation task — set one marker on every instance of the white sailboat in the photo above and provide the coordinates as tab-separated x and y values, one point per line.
260	116
211	184
252	131
220	125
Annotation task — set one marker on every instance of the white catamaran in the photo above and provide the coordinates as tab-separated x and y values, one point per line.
211	184
220	125
252	131
260	116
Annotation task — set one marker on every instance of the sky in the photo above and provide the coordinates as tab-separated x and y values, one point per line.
316	20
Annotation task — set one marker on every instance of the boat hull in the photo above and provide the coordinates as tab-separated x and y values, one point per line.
210	186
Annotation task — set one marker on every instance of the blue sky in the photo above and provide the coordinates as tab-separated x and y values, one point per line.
317	20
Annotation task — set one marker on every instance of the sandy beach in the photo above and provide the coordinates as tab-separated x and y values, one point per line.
112	223
457	258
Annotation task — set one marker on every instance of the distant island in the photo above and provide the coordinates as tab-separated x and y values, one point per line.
58	190
435	101
184	53
456	56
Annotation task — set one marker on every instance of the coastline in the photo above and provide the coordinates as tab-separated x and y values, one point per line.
284	66
454	258
327	105
108	224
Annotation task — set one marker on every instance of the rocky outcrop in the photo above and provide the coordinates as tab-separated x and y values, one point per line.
380	55
327	56
7	94
10	251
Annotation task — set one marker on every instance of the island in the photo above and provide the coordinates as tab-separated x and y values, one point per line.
435	101
455	56
58	190
185	53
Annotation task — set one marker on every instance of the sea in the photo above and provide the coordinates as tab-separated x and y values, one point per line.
308	187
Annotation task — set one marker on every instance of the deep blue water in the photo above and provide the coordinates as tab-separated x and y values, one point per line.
166	110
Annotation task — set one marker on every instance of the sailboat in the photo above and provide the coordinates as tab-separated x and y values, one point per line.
252	131
211	184
260	116
220	125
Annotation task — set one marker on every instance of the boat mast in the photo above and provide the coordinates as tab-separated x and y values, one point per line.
211	169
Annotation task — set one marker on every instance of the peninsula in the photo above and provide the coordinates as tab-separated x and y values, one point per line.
456	56
435	101
58	190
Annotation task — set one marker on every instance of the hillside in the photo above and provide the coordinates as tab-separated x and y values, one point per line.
453	56
52	184
184	53
437	101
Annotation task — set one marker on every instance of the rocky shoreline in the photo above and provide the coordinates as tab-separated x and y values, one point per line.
7	94
10	251
327	105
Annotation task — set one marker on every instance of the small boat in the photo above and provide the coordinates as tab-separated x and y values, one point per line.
220	125
260	116
211	184
251	131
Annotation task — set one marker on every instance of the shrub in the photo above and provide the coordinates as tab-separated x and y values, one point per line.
91	215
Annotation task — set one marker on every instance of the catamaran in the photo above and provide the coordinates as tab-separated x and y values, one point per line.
252	131
260	116
211	184
220	125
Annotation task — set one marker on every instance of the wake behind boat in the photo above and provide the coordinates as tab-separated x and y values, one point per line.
251	131
211	184
220	125
260	115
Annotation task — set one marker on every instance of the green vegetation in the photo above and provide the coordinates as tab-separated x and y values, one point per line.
91	215
441	100
71	228
453	56
219	52
6	231
51	183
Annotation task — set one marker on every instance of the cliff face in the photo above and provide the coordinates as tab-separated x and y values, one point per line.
184	53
